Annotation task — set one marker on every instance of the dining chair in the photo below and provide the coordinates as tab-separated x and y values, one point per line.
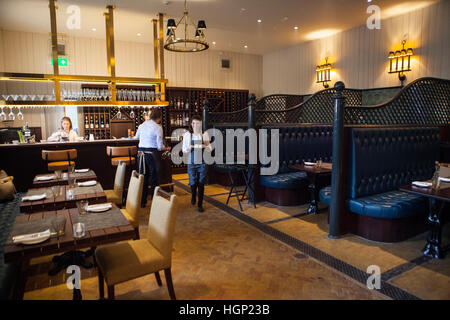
59	159
125	154
116	195
124	261
132	208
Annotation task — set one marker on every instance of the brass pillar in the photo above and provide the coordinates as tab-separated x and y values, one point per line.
110	49
55	48
155	51
161	55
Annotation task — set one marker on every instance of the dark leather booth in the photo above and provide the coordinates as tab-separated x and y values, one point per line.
380	160
297	143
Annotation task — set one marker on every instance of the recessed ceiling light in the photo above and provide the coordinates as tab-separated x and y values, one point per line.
93	29
245	47
139	34
259	20
369	1
214	43
295	28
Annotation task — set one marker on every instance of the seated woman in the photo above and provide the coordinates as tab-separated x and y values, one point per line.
65	133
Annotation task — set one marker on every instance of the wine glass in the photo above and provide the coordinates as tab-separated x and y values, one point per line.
119	114
132	113
11	115
2	115
20	115
6	96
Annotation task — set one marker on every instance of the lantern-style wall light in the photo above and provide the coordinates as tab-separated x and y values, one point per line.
323	73
400	61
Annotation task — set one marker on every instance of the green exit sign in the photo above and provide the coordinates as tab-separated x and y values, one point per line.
61	62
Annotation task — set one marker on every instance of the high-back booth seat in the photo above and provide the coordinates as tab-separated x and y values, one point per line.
380	161
297	144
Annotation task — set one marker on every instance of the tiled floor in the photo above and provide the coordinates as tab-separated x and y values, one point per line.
217	256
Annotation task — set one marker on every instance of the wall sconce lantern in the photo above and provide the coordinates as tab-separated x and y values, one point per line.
400	61
323	73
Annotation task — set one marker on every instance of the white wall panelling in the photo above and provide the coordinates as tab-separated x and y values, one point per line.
359	55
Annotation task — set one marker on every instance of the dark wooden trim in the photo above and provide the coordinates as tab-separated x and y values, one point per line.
287	197
168	276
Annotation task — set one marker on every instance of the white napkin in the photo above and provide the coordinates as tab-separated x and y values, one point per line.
422	184
87	183
310	163
99	207
35	197
32	237
45	178
81	170
444	179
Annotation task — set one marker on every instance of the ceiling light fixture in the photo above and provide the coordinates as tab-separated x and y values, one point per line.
139	34
259	20
295	28
93	29
245	47
186	44
214	43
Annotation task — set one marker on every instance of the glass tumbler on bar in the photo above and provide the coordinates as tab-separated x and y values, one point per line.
79	230
82	207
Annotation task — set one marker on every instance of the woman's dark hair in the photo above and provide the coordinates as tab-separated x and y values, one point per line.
66	119
155	114
194	117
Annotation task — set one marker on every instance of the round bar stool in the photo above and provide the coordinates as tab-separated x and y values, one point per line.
59	159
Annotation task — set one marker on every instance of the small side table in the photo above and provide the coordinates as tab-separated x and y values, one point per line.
314	175
436	200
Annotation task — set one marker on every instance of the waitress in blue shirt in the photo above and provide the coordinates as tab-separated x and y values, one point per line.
150	135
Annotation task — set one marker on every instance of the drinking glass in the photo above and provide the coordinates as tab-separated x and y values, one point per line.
11	115
55	192
58	174
20	115
5	96
59	225
82	207
79	230
2	115
319	163
132	114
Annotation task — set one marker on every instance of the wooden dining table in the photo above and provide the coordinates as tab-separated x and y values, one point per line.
79	176
101	228
93	194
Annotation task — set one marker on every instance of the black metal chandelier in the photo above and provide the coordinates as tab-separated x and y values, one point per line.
196	44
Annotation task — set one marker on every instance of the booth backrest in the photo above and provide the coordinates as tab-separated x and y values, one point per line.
299	143
382	159
223	128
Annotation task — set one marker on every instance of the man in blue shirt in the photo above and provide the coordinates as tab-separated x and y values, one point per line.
150	135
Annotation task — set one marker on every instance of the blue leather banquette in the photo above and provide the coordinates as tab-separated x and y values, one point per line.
296	145
380	161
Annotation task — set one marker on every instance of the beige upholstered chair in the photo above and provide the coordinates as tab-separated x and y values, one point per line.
59	159
133	205
124	261
116	195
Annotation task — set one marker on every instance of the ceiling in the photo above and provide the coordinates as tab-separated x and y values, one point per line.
231	24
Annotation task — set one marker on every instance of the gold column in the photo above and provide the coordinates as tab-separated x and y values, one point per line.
55	49
155	51
161	55
110	50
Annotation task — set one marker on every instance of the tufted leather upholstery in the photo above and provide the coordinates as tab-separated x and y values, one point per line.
393	205
298	143
288	180
325	195
382	159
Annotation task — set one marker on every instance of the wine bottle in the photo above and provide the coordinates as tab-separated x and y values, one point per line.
92	122
96	122
86	122
102	121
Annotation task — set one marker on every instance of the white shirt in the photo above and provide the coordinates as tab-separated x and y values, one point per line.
72	135
150	135
195	136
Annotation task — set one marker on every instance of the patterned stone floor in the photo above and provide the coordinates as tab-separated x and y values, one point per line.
217	257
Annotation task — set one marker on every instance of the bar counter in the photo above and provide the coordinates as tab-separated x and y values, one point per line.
24	161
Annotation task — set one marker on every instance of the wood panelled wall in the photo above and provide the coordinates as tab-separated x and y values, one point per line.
359	55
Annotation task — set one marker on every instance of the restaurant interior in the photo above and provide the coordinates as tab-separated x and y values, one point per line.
324	146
